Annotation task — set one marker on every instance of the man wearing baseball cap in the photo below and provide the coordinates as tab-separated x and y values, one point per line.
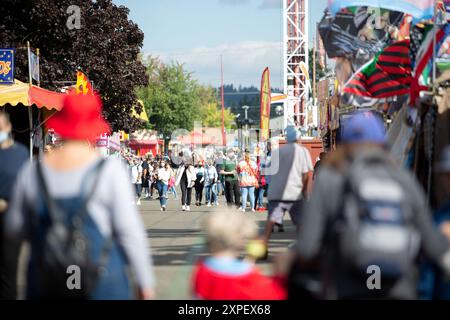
368	216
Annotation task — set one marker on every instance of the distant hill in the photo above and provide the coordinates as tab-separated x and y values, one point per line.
236	97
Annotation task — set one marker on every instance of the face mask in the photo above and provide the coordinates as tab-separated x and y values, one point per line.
3	136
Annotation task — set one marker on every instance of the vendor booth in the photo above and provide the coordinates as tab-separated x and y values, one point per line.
145	141
29	106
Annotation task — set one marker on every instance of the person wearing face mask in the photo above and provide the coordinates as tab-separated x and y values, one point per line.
12	156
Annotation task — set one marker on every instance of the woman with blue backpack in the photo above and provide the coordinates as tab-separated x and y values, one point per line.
76	210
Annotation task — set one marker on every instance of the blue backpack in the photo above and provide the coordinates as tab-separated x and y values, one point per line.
64	235
375	226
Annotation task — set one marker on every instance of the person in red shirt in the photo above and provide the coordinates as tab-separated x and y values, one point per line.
223	276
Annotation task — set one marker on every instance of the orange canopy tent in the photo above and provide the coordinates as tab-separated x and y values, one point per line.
29	95
197	138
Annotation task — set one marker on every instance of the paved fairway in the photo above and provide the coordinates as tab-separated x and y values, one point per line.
176	238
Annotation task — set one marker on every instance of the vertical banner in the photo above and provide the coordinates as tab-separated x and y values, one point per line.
34	66
265	105
83	84
6	66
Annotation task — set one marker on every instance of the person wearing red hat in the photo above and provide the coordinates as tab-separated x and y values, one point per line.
88	199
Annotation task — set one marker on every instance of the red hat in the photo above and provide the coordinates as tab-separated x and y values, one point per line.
80	119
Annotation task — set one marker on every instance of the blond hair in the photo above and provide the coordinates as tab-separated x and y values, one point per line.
229	230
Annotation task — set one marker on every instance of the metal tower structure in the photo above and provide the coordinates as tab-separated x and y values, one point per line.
295	61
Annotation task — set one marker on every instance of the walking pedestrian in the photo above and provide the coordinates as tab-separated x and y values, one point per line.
211	177
318	163
185	178
75	209
248	180
164	174
154	178
199	183
136	179
259	191
146	177
228	170
289	168
368	216
13	156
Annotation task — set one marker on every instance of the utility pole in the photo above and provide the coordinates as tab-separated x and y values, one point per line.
314	72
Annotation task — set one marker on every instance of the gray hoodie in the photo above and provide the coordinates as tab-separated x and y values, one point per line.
316	226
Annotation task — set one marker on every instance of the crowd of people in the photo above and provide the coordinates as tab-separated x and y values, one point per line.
237	177
357	210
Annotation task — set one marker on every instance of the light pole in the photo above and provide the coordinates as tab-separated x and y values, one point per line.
246	136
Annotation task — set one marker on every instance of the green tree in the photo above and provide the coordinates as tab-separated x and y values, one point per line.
170	98
210	112
106	48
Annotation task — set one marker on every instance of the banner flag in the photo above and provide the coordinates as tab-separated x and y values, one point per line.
7	66
83	84
265	105
34	66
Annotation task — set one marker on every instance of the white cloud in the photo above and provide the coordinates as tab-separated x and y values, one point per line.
243	62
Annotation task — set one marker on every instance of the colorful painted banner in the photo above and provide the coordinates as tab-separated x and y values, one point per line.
265	104
419	9
7	66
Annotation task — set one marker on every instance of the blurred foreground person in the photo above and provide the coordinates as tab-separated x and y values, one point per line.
288	170
76	211
13	156
368	218
223	276
434	283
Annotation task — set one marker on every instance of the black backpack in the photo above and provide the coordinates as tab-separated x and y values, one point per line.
65	243
375	226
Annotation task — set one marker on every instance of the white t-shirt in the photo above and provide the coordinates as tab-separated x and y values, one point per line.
289	163
136	172
164	175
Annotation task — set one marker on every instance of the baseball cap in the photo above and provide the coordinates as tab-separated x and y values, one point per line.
364	127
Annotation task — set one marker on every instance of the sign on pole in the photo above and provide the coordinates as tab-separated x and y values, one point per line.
7	66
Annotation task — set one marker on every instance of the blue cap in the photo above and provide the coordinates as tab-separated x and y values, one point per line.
364	127
292	134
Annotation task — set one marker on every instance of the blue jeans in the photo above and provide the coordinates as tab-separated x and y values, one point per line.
250	191
163	193
260	197
211	193
174	191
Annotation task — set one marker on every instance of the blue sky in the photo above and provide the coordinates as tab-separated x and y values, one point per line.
247	33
